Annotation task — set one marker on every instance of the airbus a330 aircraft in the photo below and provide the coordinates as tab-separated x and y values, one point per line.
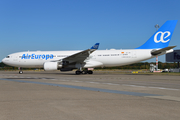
91	58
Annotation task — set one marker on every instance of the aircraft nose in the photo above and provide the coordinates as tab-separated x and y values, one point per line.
3	60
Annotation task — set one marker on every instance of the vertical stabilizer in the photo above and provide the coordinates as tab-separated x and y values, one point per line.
161	37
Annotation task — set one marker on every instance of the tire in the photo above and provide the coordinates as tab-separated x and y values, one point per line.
84	72
90	72
78	72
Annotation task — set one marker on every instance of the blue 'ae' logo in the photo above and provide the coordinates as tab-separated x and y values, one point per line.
163	35
34	56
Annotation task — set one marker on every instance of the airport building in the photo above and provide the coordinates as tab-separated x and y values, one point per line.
174	57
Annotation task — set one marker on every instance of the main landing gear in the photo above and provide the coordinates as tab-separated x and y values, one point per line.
78	72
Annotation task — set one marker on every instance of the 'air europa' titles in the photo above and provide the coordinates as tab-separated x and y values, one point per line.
34	56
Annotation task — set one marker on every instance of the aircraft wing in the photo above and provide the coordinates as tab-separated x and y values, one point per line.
157	52
81	56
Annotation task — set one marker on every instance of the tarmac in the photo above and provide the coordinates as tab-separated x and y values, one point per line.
42	95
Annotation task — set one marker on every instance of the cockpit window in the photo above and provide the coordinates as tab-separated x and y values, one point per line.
7	56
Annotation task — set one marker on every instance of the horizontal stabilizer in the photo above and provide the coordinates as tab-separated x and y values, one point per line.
157	52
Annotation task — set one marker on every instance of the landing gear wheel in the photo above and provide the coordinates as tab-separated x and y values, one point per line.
84	72
78	72
20	72
90	72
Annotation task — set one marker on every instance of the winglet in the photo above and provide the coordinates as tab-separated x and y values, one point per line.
95	46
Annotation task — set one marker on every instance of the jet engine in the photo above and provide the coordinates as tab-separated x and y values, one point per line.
51	66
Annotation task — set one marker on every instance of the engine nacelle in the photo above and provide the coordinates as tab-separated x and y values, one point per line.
51	66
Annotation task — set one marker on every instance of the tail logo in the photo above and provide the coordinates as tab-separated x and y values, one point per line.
95	46
163	35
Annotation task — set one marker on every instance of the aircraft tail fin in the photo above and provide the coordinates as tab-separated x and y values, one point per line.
161	37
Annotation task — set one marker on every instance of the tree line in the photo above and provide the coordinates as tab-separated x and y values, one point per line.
140	65
146	65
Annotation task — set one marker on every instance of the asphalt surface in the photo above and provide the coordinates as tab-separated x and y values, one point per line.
101	96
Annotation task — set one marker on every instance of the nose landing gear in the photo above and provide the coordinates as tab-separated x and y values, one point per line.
20	70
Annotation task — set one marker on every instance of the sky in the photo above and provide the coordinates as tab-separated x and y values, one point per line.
54	25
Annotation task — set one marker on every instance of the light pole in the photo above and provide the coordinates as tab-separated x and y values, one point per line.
157	27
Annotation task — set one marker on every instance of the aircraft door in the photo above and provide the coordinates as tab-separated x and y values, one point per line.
15	58
134	54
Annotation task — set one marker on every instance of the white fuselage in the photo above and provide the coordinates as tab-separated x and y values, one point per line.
107	58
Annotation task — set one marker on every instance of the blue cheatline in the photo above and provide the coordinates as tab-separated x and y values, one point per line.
86	88
161	37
